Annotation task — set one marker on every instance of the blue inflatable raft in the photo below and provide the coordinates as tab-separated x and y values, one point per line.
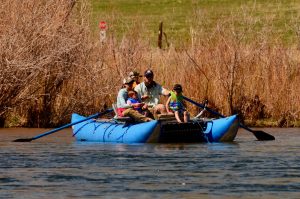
156	131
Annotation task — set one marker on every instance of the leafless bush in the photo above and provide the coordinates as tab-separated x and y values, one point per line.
40	48
52	65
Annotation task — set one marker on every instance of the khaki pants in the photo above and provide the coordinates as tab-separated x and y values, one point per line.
138	117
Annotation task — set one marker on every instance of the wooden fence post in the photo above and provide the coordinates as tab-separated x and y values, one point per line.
160	34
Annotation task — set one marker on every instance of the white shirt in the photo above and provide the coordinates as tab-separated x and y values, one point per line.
153	93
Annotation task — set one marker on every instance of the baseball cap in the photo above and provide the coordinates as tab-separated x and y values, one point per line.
148	73
134	74
177	87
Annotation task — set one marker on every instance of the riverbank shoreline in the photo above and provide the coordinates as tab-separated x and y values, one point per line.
263	123
271	123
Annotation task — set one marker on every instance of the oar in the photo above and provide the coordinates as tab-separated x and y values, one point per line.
260	135
62	127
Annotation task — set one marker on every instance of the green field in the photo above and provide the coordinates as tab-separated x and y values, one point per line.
279	16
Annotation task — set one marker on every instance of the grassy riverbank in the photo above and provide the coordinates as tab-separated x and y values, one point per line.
183	17
241	56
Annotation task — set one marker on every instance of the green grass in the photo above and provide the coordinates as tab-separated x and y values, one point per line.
180	15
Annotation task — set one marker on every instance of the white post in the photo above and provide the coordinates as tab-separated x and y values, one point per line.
102	27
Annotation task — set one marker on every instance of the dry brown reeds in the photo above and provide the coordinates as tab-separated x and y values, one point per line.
51	66
41	48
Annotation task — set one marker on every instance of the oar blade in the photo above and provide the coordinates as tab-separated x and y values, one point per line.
263	136
23	140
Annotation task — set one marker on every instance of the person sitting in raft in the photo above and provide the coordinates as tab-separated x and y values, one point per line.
135	76
123	109
149	92
133	100
175	104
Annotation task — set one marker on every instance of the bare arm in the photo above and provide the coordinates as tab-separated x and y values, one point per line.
165	92
167	104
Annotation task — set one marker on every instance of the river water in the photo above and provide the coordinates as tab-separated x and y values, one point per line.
56	166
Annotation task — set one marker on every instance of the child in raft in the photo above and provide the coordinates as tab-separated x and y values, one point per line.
175	104
134	101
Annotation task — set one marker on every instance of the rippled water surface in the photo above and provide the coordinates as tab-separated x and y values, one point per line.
56	166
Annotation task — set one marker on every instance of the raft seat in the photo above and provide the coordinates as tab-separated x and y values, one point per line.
165	117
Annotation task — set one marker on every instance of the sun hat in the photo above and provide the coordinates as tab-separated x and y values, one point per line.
128	80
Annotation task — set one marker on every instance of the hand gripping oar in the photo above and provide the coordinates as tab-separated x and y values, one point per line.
62	127
260	135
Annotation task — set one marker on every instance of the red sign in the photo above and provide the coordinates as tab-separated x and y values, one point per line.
102	25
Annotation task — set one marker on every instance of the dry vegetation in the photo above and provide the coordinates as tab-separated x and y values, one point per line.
51	66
